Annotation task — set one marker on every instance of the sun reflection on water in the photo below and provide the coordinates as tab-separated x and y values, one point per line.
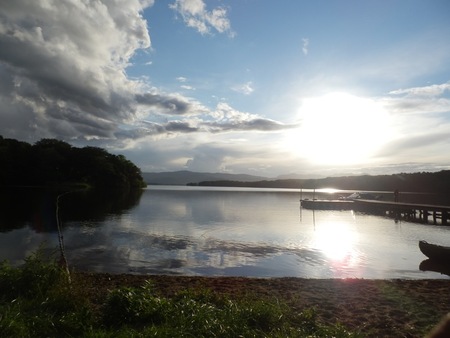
338	242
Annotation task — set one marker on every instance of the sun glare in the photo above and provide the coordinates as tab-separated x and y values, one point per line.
336	241
339	128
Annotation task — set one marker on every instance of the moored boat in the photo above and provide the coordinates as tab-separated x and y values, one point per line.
342	203
435	252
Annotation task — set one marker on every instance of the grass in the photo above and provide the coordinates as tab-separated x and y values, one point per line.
37	300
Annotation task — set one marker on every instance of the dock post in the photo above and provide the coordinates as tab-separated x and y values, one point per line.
425	215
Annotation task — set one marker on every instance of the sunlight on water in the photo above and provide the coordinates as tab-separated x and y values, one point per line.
335	239
232	232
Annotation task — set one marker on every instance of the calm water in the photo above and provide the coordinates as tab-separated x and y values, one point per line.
216	231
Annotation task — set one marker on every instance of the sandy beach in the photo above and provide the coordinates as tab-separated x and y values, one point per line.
375	308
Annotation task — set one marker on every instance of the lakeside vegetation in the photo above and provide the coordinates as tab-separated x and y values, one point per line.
51	162
39	300
423	182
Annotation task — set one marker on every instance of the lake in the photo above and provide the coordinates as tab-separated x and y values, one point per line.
214	232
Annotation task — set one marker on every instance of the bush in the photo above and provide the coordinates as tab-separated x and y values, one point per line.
37	299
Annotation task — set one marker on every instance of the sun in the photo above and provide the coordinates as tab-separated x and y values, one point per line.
339	128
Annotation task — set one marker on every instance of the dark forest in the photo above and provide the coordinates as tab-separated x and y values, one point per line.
51	162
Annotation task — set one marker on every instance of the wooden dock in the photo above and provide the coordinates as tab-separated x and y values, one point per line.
327	204
424	213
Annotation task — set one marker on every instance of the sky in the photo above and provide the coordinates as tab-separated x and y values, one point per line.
269	88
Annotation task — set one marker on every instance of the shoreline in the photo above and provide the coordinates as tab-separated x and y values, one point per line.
388	308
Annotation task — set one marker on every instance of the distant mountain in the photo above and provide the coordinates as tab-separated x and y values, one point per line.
184	177
294	176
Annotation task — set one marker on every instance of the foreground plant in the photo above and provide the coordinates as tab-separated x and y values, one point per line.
36	300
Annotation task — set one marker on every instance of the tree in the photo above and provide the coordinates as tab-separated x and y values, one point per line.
55	162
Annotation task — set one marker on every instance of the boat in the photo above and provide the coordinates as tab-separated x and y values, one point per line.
361	196
342	203
435	252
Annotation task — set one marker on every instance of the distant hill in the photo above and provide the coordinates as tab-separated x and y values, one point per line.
424	182
184	177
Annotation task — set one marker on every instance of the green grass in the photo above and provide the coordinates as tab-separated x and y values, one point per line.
37	300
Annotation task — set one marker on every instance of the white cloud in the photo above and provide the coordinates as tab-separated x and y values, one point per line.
305	46
64	64
195	15
187	87
432	90
246	88
427	99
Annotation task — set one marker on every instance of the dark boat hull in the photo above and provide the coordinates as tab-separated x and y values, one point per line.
435	252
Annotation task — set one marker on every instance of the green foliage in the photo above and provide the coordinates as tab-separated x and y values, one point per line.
54	162
131	306
205	314
36	300
35	278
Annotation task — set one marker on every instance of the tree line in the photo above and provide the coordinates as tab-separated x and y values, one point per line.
423	182
51	162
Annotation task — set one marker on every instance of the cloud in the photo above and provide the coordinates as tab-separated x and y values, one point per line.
173	104
228	119
182	79
224	119
432	90
419	116
64	64
305	46
152	128
195	15
246	88
207	158
256	124
187	87
427	99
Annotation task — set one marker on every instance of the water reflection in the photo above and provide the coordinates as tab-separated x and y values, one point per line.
36	207
430	265
225	232
335	239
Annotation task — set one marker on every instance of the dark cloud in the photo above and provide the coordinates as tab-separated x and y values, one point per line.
177	126
152	128
256	124
183	127
63	63
168	104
